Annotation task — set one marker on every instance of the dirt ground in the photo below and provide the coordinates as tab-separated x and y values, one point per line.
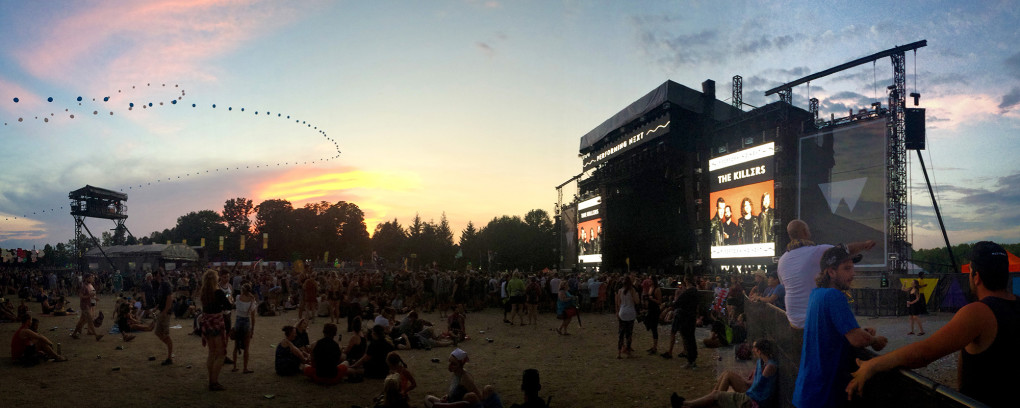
580	370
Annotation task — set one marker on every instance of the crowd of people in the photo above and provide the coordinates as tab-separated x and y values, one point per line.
225	304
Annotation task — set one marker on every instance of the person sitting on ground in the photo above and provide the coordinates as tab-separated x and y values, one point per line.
121	317
47	306
531	385
60	307
7	312
357	344
463	393
399	367
28	347
717	338
391	396
373	363
456	325
288	356
301	340
327	366
408	328
755	390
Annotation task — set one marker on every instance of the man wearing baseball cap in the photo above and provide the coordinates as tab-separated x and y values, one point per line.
831	333
986	332
799	265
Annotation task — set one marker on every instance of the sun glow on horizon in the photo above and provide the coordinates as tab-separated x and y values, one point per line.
363	188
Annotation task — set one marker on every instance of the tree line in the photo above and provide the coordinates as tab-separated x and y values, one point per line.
936	260
327	232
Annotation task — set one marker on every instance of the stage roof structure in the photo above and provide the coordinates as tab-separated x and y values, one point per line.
671	92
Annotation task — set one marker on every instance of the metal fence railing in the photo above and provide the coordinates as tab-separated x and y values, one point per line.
894	389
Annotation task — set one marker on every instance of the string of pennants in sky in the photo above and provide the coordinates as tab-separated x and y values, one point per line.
177	100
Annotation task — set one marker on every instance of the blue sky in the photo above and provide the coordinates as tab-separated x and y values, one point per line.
472	108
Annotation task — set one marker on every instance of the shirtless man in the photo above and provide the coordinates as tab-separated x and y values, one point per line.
28	345
87	295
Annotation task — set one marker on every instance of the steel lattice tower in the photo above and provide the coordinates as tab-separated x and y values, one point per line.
896	168
738	92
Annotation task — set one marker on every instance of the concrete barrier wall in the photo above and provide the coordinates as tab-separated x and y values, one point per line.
894	389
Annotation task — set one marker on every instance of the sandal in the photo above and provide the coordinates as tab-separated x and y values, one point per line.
249	371
920	334
910	334
234	370
216	387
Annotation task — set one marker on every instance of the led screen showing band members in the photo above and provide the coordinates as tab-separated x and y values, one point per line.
589	231
842	186
741	194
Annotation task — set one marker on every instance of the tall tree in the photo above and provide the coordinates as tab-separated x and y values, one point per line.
237	215
273	217
194	226
471	247
389	241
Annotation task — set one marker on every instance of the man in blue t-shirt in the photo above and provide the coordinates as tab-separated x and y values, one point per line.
830	334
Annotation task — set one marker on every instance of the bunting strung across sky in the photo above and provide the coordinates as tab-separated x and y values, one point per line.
106	105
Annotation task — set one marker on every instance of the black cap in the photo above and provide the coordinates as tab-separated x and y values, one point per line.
987	256
836	255
530	381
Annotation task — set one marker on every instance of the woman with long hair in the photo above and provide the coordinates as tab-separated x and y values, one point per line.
214	331
532	294
334	296
244	327
915	306
565	308
288	356
626	312
653	301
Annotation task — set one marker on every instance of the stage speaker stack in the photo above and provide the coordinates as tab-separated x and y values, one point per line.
914	126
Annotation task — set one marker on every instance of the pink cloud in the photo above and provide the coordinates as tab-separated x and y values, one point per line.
136	42
28	101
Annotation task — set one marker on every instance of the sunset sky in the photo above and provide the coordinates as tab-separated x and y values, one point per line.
472	108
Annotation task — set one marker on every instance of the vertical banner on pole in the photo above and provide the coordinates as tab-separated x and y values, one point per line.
221	242
265	240
325	257
168	242
202	244
184	241
242	242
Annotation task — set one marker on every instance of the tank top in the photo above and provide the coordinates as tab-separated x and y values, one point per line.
982	376
762	387
357	351
243	308
627	310
18	345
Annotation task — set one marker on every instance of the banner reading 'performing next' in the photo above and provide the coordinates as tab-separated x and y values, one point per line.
740	191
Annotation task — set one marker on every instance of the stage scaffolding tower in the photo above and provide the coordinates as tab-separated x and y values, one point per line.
896	168
896	163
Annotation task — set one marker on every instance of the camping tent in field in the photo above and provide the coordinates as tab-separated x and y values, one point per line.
1014	264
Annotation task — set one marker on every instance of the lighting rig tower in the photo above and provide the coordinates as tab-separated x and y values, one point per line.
95	202
738	92
896	168
896	163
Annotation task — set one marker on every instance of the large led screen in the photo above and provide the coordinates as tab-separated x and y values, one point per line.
589	231
741	194
841	188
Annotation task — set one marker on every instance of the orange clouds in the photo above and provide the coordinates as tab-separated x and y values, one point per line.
21	228
368	189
